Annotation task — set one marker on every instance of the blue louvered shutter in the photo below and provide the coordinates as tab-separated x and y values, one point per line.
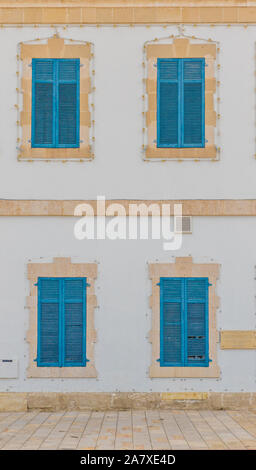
184	335
49	311
43	126
61	322
168	89
193	103
74	295
68	103
197	322
56	103
181	103
171	322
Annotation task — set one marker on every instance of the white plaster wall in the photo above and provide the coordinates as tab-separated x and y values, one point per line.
118	170
123	319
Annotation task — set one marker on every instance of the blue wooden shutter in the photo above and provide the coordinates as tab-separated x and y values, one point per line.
68	111
61	322
43	114
49	318
56	103
196	353
171	322
184	335
168	115
193	103
74	308
181	103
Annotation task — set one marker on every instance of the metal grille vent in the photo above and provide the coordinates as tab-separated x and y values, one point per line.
183	224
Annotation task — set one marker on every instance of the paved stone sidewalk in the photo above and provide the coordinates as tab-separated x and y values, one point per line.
150	429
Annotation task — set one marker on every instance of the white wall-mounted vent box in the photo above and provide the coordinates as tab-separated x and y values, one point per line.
8	368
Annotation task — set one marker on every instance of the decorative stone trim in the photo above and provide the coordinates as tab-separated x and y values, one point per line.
183	267
49	401
55	47
127	12
190	207
61	267
180	48
238	339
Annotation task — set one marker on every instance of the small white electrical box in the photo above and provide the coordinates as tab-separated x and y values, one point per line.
8	368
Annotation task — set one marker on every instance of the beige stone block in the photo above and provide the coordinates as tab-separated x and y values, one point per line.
56	154
55	15
190	15
123	15
104	15
152	101
34	50
184	405
152	135
211	14
85	119
210	68
145	400
49	401
184	396
230	14
152	70
122	401
74	15
235	401
209	103
210	118
33	15
89	15
145	15
210	135
163	51
85	401
253	401
215	400
187	260
12	15
247	15
168	15
210	85
151	86
202	50
207	152
56	47
181	47
25	118
184	372
151	117
12	401
238	339
84	97
82	51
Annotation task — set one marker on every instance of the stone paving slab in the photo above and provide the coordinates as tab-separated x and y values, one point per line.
134	429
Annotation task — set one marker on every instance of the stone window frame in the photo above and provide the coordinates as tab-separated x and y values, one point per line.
180	47
184	267
61	267
56	48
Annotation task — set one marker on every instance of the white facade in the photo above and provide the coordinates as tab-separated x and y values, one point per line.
118	170
123	319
